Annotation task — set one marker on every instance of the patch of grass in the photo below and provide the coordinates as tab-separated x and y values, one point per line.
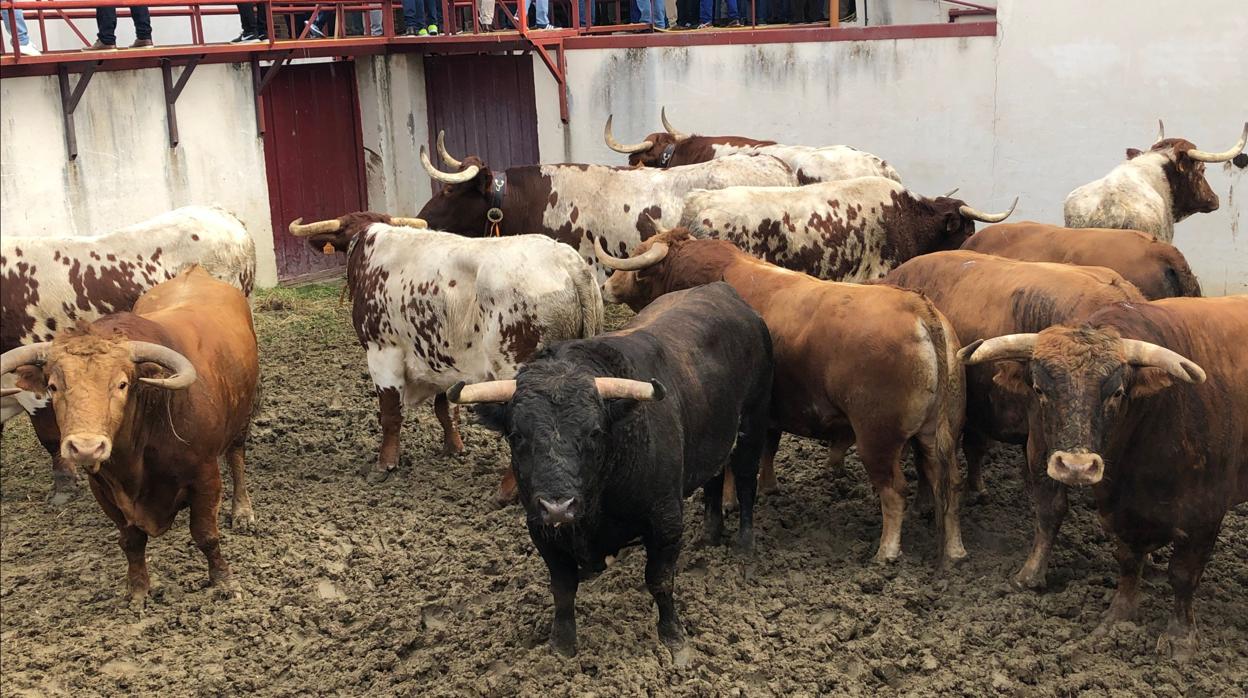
311	312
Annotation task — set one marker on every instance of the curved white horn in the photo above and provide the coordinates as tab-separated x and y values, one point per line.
1161	131
628	389
1009	346
1140	353
488	391
300	229
620	147
649	258
986	217
26	355
409	222
183	371
1223	156
447	177
446	157
680	135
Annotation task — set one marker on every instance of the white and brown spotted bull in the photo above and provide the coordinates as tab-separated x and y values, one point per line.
575	204
810	163
51	282
432	308
1152	190
853	230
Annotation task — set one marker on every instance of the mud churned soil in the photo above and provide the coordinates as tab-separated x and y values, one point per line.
421	586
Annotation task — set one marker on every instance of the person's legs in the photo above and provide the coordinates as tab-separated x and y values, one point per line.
485	12
374	23
142	23
106	25
431	14
543	13
733	15
659	9
247	19
17	25
412	11
706	11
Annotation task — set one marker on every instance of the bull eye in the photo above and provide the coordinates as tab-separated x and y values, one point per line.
1039	391
1119	392
52	388
122	385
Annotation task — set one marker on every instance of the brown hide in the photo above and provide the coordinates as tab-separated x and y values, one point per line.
688	151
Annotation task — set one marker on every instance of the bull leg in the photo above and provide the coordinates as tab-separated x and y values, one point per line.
975	448
390	414
1187	565
662	551
837	448
1049	498
883	465
713	501
508	491
242	517
133	542
766	471
563	584
65	484
205	504
754	440
938	461
1126	603
452	443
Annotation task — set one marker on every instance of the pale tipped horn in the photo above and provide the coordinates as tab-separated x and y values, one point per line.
950	193
620	147
183	371
409	222
1141	353
680	135
978	215
1161	131
1223	156
628	389
8	392
447	177
1010	346
649	258
446	157
27	355
488	391
300	229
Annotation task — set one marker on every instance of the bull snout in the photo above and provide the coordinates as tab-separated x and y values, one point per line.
1076	468
608	292
86	451
555	513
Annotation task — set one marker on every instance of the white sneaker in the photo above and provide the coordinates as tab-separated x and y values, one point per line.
29	50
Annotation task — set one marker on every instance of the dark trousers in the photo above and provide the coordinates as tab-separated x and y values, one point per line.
418	14
808	11
106	20
253	19
687	12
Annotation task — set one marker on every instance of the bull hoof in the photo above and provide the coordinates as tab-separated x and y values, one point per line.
376	476
563	646
506	496
242	519
59	498
673	636
226	588
745	542
452	448
886	557
1178	645
1028	581
135	600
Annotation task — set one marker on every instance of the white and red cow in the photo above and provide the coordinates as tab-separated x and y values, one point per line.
809	163
50	283
433	308
1152	190
852	230
575	204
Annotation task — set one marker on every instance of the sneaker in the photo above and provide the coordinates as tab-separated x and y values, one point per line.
28	50
143	43
243	38
433	30
315	32
705	25
733	24
423	32
410	31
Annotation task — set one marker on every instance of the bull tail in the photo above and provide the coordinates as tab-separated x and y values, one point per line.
950	376
589	298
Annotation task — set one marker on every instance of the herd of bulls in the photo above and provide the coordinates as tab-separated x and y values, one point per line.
777	289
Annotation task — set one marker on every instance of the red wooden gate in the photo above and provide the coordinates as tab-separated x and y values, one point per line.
486	105
313	153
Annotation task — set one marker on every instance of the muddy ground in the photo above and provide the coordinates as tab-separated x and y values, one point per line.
420	586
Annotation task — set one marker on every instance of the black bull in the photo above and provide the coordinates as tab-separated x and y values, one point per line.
596	475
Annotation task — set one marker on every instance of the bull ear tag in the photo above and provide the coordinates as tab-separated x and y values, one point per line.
328	248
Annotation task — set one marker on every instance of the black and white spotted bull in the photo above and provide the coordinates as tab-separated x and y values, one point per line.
575	204
810	163
852	230
432	308
51	282
1152	190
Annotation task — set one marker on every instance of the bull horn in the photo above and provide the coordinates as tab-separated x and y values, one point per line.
9	392
446	157
680	136
489	391
183	371
409	222
300	229
649	258
27	355
986	217
1224	155
627	389
620	147
950	193
1161	131
1010	346
1140	353
447	177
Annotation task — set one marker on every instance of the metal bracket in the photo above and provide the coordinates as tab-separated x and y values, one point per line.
69	101
173	90
260	79
558	68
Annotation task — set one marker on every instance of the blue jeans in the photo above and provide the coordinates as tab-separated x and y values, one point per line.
418	14
543	12
642	12
706	11
9	19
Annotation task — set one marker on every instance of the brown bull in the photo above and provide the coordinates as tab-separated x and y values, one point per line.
1157	268
671	147
1146	403
870	365
146	402
986	296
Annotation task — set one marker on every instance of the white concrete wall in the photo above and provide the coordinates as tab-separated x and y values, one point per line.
125	170
395	123
1048	104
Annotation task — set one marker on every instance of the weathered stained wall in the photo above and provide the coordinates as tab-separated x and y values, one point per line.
395	124
125	170
1048	104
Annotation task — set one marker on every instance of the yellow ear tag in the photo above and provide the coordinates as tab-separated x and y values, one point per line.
328	248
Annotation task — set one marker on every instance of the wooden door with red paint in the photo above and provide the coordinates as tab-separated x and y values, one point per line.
314	155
